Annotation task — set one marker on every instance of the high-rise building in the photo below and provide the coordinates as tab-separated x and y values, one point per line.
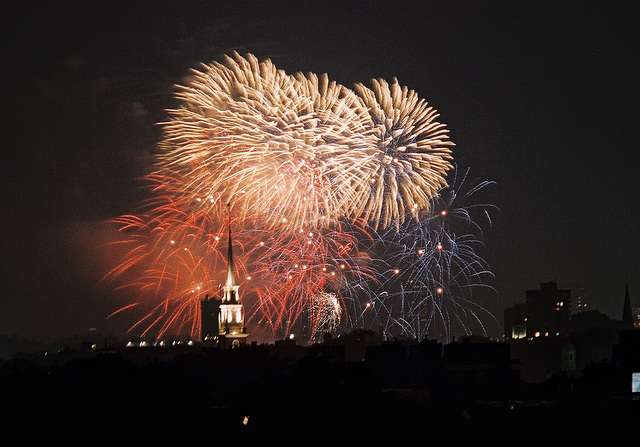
549	308
545	312
545	338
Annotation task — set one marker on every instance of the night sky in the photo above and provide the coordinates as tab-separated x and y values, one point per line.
541	97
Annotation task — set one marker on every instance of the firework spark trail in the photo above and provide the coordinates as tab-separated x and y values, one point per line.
178	255
430	289
326	313
286	155
289	270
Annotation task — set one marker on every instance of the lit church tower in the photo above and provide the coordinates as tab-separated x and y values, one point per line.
231	318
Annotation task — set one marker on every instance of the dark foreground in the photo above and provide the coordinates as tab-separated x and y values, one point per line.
110	398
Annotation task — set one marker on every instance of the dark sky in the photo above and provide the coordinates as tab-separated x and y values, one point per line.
541	97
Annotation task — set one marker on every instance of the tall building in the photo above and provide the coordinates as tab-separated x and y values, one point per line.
545	338
545	312
549	310
231	317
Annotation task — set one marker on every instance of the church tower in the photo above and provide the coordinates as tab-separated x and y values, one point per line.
231	318
627	315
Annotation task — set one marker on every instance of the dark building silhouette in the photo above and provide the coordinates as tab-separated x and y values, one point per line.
545	312
460	371
210	320
541	357
626	355
285	389
546	339
484	368
515	321
549	310
594	333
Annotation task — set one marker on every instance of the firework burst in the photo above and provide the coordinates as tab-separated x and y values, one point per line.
296	150
434	266
306	169
326	313
278	145
409	162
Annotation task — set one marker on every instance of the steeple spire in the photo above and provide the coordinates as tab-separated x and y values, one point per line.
231	277
231	318
230	287
627	317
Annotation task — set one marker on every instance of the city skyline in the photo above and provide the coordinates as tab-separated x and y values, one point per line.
540	98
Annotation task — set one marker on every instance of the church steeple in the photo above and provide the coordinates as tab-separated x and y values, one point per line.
231	318
627	316
230	285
